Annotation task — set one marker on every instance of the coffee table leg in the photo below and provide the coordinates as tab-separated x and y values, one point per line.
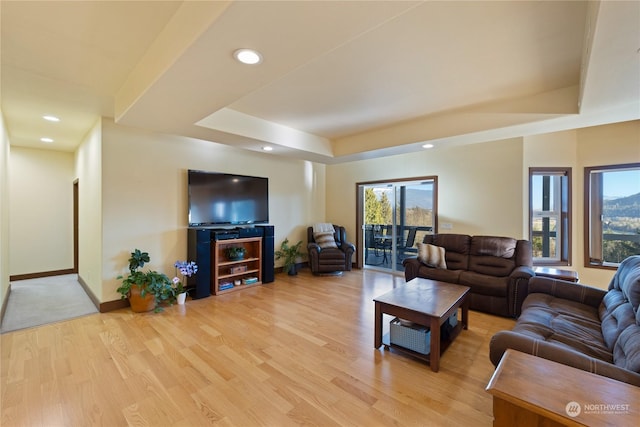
465	313
377	321
434	345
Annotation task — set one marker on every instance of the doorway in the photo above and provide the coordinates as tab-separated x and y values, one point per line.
51	296
76	220
392	217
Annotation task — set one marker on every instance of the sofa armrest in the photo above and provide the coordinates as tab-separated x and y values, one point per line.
348	247
519	283
313	247
522	272
566	290
503	340
314	254
411	267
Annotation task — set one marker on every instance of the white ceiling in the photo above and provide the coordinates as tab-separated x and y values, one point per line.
340	80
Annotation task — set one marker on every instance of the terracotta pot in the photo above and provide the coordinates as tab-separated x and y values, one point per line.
141	304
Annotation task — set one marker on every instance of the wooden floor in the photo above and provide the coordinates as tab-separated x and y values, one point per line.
298	351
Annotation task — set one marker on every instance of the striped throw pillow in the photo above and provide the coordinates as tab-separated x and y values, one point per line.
432	255
325	239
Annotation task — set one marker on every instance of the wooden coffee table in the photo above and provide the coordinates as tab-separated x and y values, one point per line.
428	303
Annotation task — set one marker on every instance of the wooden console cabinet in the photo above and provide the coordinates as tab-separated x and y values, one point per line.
530	391
225	271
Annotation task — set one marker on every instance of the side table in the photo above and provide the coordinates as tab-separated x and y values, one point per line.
556	273
531	391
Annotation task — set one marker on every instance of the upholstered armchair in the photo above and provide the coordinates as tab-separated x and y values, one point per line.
327	255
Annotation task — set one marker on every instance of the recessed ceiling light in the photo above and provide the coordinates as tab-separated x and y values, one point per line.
267	148
47	140
248	56
427	146
51	118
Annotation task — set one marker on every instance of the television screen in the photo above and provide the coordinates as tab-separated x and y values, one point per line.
220	198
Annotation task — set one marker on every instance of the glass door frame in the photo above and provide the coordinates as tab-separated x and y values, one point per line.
360	190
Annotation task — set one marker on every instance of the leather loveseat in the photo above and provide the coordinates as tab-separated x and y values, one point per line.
581	326
497	269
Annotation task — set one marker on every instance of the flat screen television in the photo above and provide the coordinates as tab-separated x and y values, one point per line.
225	199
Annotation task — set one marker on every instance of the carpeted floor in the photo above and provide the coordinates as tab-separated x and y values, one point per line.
36	302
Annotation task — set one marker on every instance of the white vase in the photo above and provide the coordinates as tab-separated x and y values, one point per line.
182	297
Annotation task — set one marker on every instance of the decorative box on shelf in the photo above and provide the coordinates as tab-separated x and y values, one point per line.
238	269
417	337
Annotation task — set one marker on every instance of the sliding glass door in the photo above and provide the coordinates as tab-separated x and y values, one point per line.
395	216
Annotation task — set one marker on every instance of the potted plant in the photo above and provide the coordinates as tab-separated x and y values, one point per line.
235	253
289	254
145	290
186	269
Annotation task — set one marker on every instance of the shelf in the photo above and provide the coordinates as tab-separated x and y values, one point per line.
238	288
240	261
221	266
242	273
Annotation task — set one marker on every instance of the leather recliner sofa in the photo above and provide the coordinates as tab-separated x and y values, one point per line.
581	326
330	260
497	269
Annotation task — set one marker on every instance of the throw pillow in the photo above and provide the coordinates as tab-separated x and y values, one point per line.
325	239
431	255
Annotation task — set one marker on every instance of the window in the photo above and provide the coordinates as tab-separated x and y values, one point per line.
550	215
612	214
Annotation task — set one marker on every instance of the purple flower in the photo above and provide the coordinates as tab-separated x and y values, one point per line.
186	268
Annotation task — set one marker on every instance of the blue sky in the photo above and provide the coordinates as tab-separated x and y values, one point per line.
622	183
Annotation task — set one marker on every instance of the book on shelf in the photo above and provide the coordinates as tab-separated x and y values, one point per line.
225	285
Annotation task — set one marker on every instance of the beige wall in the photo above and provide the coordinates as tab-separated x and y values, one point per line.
483	188
577	149
601	146
88	172
564	148
609	145
144	194
480	186
557	149
41	210
4	210
133	190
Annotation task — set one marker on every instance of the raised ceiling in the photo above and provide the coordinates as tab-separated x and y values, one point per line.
339	81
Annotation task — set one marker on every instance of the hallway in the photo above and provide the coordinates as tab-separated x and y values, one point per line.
35	302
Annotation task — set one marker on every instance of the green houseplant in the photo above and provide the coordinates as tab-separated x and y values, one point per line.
145	290
289	254
234	253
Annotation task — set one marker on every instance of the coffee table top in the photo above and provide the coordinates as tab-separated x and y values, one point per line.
426	296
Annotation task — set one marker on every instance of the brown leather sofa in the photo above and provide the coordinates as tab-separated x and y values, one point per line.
497	269
581	326
330	260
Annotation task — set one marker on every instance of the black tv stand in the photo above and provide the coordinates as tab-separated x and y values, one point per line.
201	244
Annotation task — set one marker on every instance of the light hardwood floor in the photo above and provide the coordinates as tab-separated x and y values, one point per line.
298	351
